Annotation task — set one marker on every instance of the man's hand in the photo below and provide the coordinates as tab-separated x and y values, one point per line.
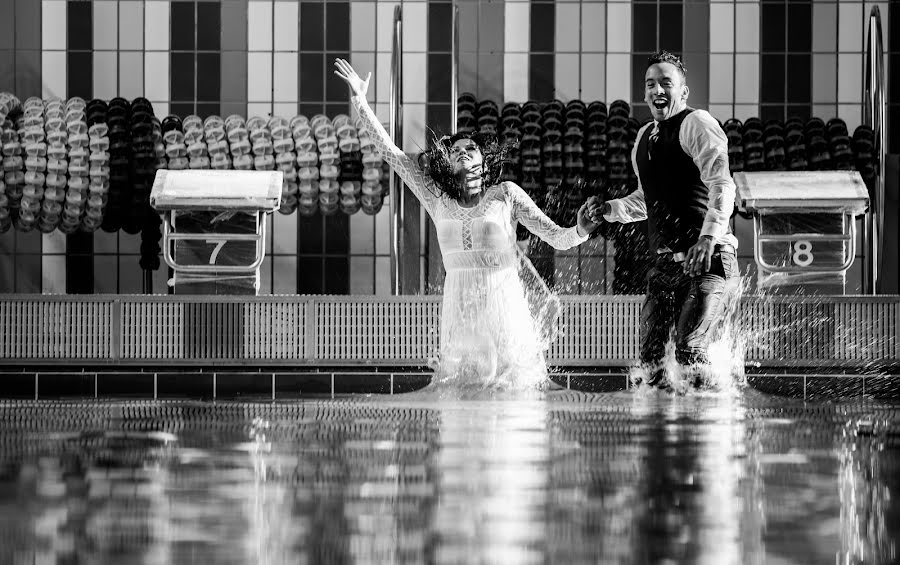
595	209
585	223
699	257
358	86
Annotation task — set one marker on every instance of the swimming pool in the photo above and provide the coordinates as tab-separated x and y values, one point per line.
625	477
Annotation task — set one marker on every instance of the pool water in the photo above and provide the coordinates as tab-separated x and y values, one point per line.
572	478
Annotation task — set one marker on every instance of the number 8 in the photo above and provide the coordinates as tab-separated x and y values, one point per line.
802	256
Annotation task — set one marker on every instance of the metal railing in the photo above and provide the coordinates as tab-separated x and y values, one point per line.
404	330
396	192
874	116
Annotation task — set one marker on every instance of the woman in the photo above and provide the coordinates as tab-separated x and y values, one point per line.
491	336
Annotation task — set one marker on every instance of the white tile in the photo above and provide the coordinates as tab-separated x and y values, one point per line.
721	78
517	27
259	26
53	24
262	109
53	74
285	86
131	26
746	16
382	272
851	23
105	12
160	107
824	77
362	234
287	26
415	27
849	77
259	77
285	109
414	128
284	276
618	28
746	82
567	75
721	112
825	111
53	242
383	230
824	27
362	273
362	26
284	233
380	91
265	277
156	25
269	230
384	21
568	26
744	111
593	76
106	75
156	76
721	27
131	79
593	27
364	63
618	78
515	76
414	73
851	114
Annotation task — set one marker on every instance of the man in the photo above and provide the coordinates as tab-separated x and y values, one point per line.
686	193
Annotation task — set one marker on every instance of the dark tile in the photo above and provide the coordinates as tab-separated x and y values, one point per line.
28	73
7	70
337	26
883	388
243	385
27	14
440	27
772	28
309	232
643	26
818	388
771	79
7	272
670	27
312	70
771	112
640	111
181	76
182	26
55	385
438	82
310	280
28	274
209	26
182	108
638	74
335	88
893	90
781	386
337	234
337	275
310	109
799	27
437	116
541	79
543	22
209	83
312	27
7	33
80	74
233	73
799	78
79	26
335	108
298	385
134	384
802	111
184	385
894	126
205	109
408	383
17	385
362	383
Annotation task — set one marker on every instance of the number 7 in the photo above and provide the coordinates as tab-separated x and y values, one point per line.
219	245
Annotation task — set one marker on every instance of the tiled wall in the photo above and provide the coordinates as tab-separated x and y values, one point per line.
744	58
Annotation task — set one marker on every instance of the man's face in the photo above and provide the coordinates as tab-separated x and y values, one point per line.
664	91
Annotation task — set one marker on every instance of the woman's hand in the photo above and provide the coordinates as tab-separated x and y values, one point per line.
358	86
585	225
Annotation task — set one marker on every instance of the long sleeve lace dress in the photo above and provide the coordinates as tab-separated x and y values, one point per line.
497	315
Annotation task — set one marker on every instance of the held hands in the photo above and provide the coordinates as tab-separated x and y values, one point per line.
358	86
586	223
595	206
699	257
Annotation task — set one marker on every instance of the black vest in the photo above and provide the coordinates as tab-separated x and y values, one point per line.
676	198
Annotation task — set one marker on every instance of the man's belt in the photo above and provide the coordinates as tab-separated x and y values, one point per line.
680	256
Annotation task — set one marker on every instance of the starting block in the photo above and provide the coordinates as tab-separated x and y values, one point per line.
214	227
804	227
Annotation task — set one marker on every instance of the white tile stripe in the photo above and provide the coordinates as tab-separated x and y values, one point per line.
517	30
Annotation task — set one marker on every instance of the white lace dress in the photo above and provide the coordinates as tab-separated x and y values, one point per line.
497	316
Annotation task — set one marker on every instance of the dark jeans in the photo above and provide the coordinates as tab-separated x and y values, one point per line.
695	306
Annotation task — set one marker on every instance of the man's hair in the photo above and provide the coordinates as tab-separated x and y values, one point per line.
663	56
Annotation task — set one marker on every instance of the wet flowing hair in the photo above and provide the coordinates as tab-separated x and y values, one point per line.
663	56
493	153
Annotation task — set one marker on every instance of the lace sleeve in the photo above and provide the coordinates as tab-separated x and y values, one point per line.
421	185
529	215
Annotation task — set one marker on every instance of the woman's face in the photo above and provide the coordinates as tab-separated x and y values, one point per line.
465	155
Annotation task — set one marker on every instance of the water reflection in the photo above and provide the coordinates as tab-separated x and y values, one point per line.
615	478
